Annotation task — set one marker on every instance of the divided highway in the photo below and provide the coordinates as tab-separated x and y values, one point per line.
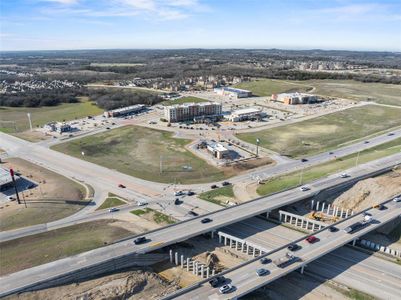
181	231
245	280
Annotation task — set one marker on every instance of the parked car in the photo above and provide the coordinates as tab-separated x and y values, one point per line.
265	260
140	240
226	288
294	247
113	209
312	239
206	220
121	186
261	272
225	183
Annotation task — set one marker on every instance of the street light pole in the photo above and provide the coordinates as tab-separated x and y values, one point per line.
257	147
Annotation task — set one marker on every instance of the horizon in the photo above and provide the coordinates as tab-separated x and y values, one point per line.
48	25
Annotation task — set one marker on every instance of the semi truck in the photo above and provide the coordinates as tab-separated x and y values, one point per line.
367	219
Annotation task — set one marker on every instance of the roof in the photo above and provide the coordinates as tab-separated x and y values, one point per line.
5	176
128	108
217	147
296	94
235	90
188	104
249	110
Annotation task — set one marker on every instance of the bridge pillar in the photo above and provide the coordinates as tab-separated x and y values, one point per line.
280	216
219	237
193	267
323	204
213	272
317	205
182	261
267	215
225	240
353	242
302	269
311	204
202	271
212	234
188	264
342	212
328	209
207	272
254	252
176	258
231	243
171	256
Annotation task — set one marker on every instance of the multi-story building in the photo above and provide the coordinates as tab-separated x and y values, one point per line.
191	111
294	98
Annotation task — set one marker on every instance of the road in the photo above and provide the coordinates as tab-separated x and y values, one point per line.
245	280
181	231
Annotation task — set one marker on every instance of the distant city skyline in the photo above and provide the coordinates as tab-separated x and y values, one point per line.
172	24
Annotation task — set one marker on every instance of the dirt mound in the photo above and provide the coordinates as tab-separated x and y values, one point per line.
131	285
369	192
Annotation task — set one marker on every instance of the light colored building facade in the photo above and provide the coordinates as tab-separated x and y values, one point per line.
58	127
294	98
246	114
218	150
233	92
5	179
190	111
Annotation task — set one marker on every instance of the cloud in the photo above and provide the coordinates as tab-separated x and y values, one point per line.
65	2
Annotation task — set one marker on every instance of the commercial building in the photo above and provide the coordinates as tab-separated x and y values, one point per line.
294	98
192	111
233	92
251	113
218	150
58	127
121	112
5	179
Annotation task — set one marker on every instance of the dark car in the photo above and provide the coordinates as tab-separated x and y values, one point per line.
121	186
294	247
214	186
333	229
206	220
331	153
366	142
390	134
304	160
225	183
190	193
216	281
177	201
265	260
140	240
192	213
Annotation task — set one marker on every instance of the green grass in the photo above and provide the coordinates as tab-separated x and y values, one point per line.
214	195
359	91
293	179
183	100
326	132
43	115
267	87
111	201
41	248
136	151
158	217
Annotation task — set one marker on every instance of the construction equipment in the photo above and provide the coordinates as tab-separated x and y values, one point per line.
319	216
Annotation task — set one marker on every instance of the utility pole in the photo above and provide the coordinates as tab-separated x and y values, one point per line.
30	121
257	147
15	186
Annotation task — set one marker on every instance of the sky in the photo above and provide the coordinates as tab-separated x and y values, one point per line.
143	24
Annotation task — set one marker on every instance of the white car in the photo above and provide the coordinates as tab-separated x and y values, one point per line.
225	288
179	193
141	203
344	175
304	188
397	199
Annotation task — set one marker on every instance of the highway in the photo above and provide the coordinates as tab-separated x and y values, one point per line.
245	280
182	231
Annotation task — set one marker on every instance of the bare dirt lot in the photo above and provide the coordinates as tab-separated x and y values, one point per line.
53	198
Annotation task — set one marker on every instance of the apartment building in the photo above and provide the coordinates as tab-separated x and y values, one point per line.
190	111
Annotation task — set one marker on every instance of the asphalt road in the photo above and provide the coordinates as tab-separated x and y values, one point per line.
244	278
181	231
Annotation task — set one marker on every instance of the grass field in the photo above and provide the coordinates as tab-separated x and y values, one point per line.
41	248
183	100
157	217
216	196
58	198
326	132
137	151
267	87
111	201
294	179
355	90
43	115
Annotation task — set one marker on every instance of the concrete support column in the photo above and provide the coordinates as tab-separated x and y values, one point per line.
212	234
225	241
280	216
188	264
207	272
311	204
323	204
346	213
302	269
245	248
176	258
353	242
254	252
328	209
242	247
202	271
342	212
182	261
219	238
213	272
171	255
193	267
231	243
317	205
267	215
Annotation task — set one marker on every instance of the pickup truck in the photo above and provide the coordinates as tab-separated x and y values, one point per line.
287	260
